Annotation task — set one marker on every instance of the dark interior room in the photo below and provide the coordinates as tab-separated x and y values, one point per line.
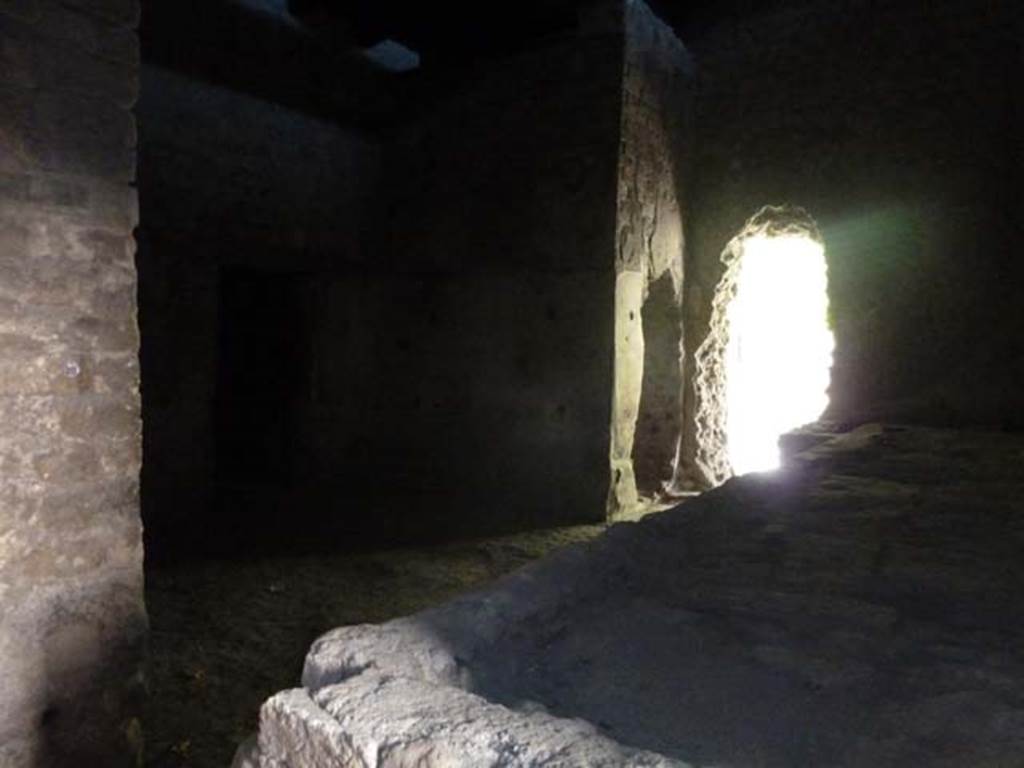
511	385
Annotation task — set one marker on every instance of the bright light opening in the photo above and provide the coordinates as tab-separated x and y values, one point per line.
779	355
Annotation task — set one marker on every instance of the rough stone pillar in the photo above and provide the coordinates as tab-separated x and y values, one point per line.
656	95
72	621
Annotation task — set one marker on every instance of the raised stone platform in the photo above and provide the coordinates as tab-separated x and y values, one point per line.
862	608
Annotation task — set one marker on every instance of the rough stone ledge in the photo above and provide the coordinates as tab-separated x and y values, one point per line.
358	678
767	622
355	724
411	647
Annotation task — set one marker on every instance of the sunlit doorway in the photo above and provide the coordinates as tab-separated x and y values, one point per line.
779	350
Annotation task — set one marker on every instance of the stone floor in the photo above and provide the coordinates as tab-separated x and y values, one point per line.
226	635
863	608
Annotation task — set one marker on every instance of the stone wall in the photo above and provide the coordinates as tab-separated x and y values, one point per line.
896	127
72	620
435	338
447	347
254	175
655	127
497	353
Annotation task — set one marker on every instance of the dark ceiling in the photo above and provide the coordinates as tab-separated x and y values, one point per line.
457	31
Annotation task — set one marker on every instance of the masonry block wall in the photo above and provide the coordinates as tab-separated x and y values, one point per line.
896	126
72	621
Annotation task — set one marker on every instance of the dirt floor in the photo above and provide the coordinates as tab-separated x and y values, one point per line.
226	635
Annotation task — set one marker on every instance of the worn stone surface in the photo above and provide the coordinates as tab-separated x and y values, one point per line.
72	622
860	608
657	91
354	724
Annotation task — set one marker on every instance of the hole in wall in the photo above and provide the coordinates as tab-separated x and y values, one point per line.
264	375
779	351
765	365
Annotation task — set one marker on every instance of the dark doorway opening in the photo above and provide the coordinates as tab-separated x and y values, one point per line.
265	376
264	392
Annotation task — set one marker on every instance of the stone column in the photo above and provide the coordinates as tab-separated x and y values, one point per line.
72	622
656	95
